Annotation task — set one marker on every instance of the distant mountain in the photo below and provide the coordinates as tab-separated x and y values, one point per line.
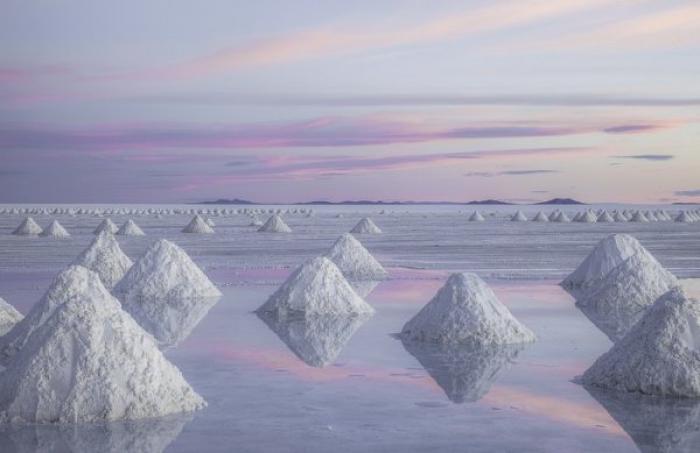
227	201
561	201
485	202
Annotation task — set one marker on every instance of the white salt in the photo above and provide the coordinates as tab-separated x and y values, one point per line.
197	226
366	226
55	230
354	260
106	225
275	224
28	227
476	217
106	258
9	316
518	217
540	217
129	228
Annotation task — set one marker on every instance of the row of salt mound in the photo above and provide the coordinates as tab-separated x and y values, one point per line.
9	316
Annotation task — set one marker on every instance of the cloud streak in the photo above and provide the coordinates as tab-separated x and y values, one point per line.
688	193
651	157
488	174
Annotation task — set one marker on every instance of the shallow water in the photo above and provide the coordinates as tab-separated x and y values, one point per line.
352	386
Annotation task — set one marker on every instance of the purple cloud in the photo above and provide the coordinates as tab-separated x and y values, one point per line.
654	157
688	193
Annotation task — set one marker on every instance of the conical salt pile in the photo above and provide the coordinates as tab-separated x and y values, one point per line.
588	217
465	310
275	224
9	316
55	230
197	226
518	217
659	355
684	217
606	256
638	216
562	218
605	217
651	216
165	271
210	222
105	257
28	227
129	228
476	217
366	226
106	225
540	217
316	287
89	361
354	260
619	217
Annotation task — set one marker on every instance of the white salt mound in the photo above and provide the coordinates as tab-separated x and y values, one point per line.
562	218
639	217
588	217
684	217
106	225
659	356
476	217
55	230
9	316
518	217
316	287
275	224
197	226
465	310
366	226
104	257
89	361
619	217
354	260
129	228
211	223
606	256
540	217
605	217
28	227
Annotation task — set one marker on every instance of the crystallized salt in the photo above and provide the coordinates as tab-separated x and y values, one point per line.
354	260
9	316
129	228
197	226
684	217
275	224
465	310
165	271
476	217
316	287
659	356
105	257
366	226
588	217
619	217
638	216
518	217
562	218
89	361
106	225
55	230
28	227
540	217
605	217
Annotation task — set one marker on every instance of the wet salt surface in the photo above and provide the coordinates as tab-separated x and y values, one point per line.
376	396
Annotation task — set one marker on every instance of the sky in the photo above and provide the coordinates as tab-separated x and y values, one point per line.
281	101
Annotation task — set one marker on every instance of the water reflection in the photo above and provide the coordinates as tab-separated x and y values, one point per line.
364	288
464	371
316	339
615	321
136	436
170	321
655	424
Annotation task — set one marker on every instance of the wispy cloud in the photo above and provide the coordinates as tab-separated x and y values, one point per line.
489	174
688	193
652	157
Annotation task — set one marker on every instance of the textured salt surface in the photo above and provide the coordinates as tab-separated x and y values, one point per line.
54	230
165	271
197	226
465	310
354	260
9	316
275	224
105	257
28	227
366	226
107	226
129	228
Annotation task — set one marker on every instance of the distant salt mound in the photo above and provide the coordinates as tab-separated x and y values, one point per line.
619	217
275	224
465	310
540	217
28	227
106	225
197	226
606	256
129	228
55	230
561	218
210	222
89	361
165	271
354	260
316	287
684	217
476	217
518	217
605	217
587	217
639	217
256	222
104	257
659	355
9	316
366	226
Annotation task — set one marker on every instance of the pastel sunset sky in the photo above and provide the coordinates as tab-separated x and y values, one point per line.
282	101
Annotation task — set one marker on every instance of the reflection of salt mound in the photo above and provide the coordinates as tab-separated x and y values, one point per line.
366	226
55	230
89	361
129	228
197	226
354	260
124	436
464	372
316	287
275	224
170	321
540	217
316	339
28	227
9	316
105	257
165	271
659	355
518	217
106	225
363	288
607	255
655	424
476	217
465	310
